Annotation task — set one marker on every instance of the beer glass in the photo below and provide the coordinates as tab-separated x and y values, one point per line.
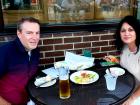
64	85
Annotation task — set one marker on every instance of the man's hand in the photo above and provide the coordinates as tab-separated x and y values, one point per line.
128	102
4	102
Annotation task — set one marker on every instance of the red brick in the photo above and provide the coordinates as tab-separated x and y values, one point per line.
54	54
46	60
52	41
82	45
90	38
40	42
112	42
81	33
42	61
99	55
62	34
41	55
49	35
46	48
63	46
101	43
109	48
95	50
101	32
76	51
107	37
49	60
59	59
114	53
72	40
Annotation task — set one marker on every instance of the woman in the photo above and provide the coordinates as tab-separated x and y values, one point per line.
128	41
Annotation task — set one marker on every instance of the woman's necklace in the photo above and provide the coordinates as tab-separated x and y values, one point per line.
134	50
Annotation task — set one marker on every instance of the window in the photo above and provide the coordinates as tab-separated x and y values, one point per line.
138	9
67	12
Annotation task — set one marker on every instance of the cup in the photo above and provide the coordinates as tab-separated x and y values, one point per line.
87	52
64	85
110	81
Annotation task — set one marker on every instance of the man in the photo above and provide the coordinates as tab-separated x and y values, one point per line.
19	62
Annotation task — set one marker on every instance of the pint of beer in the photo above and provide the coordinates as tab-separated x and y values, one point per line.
64	85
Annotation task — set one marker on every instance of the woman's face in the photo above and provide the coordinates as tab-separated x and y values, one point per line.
128	34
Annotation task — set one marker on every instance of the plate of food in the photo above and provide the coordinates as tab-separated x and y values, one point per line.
84	77
109	60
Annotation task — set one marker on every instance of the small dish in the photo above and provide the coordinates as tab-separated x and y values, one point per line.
84	77
44	81
116	71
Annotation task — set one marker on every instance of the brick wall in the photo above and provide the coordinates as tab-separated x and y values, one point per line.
53	45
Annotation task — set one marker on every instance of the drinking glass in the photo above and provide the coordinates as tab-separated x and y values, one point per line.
64	85
110	81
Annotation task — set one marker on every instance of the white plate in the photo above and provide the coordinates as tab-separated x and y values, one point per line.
41	80
116	71
88	78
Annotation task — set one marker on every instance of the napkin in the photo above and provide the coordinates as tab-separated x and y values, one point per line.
75	62
51	72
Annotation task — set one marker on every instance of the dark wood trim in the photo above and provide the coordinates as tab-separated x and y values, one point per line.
97	26
1	19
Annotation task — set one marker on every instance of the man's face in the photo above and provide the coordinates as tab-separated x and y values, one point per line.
29	35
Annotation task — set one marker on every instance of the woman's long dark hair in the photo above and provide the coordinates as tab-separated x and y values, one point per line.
133	22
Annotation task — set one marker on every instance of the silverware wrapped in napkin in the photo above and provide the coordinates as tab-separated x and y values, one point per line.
45	81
